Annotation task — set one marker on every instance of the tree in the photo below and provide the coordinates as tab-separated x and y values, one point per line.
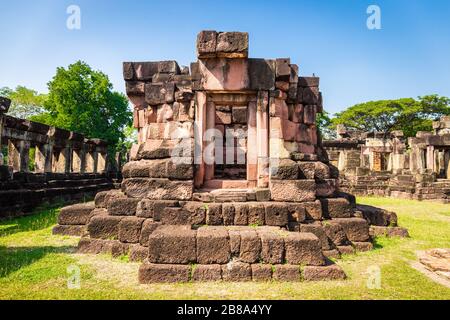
82	100
25	103
405	114
323	123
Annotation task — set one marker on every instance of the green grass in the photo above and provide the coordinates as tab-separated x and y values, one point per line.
33	265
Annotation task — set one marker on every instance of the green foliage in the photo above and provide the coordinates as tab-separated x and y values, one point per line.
405	114
25	103
324	125
81	99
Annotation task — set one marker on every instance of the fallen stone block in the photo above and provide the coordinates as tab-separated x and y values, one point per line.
163	273
377	216
376	231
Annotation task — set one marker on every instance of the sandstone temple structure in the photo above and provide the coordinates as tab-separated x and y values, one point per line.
229	180
66	166
390	165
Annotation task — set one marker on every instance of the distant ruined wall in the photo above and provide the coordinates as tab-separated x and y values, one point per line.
389	165
67	166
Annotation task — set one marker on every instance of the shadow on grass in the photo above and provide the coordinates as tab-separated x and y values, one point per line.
377	245
41	218
14	258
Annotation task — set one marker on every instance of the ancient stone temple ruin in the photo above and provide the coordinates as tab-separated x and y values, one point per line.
228	180
66	166
382	164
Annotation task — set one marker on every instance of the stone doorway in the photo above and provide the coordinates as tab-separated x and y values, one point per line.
231	145
230	139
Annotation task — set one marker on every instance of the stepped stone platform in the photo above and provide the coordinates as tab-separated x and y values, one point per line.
258	201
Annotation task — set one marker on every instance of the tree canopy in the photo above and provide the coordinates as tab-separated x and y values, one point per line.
407	114
82	100
25	102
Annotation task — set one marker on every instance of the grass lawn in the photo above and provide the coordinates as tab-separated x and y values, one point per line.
34	265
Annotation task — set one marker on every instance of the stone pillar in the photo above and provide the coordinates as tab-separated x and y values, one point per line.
62	160
1	135
252	145
101	162
78	160
43	158
447	164
91	162
341	161
210	143
13	156
430	158
199	131
262	132
18	155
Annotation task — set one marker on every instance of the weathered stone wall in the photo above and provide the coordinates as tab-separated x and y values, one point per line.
387	165
67	166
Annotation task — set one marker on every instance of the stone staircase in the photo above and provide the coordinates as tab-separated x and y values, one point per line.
220	240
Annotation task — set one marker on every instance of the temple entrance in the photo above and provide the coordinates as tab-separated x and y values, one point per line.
231	145
380	161
230	135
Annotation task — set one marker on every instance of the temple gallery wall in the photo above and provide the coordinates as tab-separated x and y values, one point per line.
229	179
66	166
390	165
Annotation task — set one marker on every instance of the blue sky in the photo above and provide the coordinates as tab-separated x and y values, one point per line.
408	57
